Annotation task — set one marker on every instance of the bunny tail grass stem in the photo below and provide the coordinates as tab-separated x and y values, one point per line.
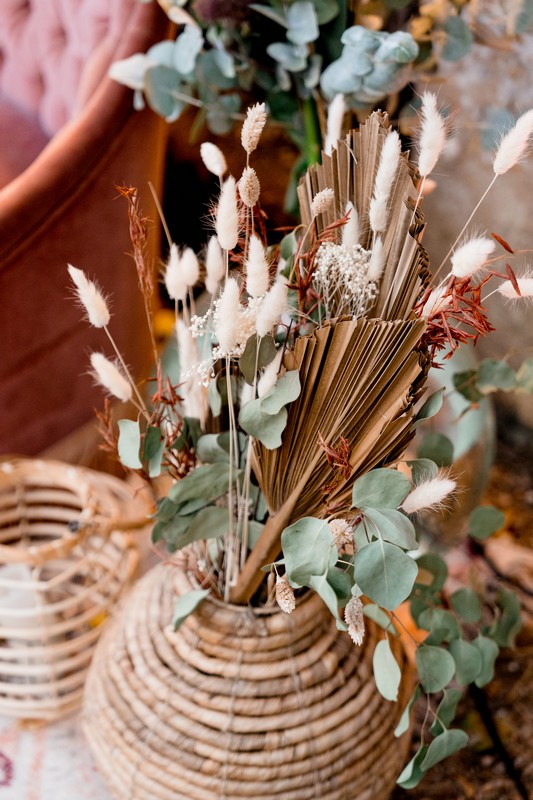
465	226
266	549
128	374
230	534
160	212
248	473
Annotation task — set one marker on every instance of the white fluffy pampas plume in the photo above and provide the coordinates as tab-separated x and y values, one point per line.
432	135
506	289
471	256
336	111
514	145
227	325
213	159
272	308
194	397
351	233
215	266
269	378
110	377
227	217
90	298
175	283
257	277
428	494
388	166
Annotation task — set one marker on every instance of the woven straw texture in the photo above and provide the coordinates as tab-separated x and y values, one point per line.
238	703
64	562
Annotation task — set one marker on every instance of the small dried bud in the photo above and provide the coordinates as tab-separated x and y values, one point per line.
285	594
341	531
253	127
322	201
213	158
249	187
353	617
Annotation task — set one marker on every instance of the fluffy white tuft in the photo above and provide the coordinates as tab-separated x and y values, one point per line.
190	268
524	284
436	301
376	265
514	145
193	394
90	298
432	135
471	256
351	233
227	327
175	283
428	494
215	266
336	111
272	308
110	377
227	218
387	169
268	379
213	159
257	277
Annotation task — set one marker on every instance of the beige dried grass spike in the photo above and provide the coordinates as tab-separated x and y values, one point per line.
64	562
351	172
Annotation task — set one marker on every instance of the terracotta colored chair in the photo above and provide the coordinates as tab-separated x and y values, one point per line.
68	136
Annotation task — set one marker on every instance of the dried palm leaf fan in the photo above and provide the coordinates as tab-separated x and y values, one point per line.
360	377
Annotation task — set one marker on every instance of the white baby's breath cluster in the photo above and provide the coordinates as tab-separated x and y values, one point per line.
341	277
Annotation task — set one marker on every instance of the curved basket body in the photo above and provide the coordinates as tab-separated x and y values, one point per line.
238	703
64	562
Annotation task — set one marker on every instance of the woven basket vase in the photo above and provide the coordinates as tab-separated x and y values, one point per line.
238	703
64	561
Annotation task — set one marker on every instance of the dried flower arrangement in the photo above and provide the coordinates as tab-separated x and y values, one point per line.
299	393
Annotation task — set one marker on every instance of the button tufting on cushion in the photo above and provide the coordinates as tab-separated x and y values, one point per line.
47	46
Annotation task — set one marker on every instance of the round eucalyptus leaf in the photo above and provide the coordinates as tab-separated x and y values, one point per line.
443	746
387	673
465	602
484	521
302	24
380	488
459	39
488	650
468	661
385	573
436	667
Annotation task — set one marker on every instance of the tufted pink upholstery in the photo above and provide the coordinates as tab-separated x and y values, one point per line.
54	52
61	205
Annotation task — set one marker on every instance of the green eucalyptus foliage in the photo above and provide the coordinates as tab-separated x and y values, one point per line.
463	635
